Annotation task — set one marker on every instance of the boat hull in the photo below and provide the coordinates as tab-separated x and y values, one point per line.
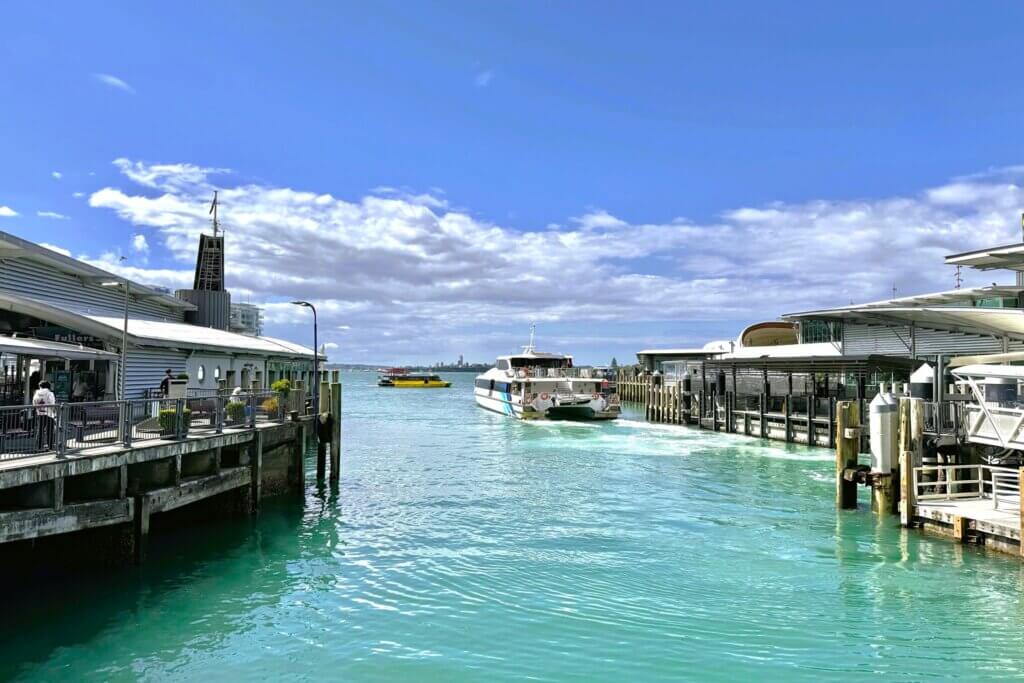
506	404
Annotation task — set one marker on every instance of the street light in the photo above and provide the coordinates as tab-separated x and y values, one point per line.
122	369
316	375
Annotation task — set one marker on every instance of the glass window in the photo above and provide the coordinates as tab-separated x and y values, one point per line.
817	331
216	373
201	373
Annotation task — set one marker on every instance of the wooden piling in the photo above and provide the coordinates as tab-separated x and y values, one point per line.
1020	475
847	449
907	493
336	432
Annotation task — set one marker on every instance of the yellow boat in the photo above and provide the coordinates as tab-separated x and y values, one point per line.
419	382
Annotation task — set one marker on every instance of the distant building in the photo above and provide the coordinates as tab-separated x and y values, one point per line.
246	319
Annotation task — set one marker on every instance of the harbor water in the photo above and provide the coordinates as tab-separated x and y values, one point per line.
462	545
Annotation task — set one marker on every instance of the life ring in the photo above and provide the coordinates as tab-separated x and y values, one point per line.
544	397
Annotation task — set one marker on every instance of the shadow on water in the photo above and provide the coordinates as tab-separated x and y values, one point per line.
236	557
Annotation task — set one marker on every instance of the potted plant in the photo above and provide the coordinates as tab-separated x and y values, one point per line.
282	386
271	407
235	412
169	422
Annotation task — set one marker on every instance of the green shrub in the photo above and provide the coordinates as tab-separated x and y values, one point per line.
236	411
271	405
183	375
168	418
282	386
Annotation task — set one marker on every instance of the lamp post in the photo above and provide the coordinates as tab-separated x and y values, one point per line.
121	370
316	353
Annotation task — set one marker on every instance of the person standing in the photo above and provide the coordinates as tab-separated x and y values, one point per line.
45	403
165	383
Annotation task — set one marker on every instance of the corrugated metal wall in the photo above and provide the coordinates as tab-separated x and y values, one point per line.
146	368
47	284
861	339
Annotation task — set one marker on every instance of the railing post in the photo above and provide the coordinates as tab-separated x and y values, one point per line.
126	423
60	429
252	410
218	409
179	418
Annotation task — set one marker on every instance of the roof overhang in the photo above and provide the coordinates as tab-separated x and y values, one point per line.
12	247
993	322
1007	257
42	348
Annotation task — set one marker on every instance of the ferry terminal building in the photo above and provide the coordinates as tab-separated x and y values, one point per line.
62	319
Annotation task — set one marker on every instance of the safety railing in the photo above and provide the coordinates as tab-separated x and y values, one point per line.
943	418
1001	485
72	427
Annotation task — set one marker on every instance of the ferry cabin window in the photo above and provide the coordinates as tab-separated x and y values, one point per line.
503	364
539	362
817	331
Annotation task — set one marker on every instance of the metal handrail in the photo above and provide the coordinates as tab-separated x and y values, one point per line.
71	427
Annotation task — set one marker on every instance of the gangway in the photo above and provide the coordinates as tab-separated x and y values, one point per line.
996	415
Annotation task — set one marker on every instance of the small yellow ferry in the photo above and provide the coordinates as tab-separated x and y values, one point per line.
418	381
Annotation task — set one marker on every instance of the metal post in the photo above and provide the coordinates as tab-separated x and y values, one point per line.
60	429
126	423
252	410
122	369
179	418
218	407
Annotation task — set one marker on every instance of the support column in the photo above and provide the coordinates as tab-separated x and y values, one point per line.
321	444
256	468
141	527
906	488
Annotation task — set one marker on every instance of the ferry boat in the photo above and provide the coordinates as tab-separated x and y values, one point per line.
534	385
386	376
419	381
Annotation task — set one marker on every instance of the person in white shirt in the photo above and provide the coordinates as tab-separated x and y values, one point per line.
46	415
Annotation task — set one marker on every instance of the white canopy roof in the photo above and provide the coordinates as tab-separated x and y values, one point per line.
1007	257
997	322
42	348
998	371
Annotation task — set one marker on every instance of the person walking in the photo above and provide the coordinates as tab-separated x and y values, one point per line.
46	415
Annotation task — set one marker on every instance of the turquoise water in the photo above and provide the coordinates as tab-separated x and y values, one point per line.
465	546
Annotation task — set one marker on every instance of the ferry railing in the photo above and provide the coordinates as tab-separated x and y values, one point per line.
1005	488
71	427
24	432
94	423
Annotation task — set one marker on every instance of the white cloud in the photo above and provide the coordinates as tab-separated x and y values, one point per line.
53	247
7	212
484	78
385	265
52	214
114	82
77	195
139	243
330	346
57	175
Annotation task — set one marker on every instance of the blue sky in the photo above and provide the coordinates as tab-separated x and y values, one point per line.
627	174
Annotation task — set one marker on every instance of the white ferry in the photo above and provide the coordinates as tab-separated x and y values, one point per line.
533	385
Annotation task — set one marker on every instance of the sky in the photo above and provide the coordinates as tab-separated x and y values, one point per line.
436	176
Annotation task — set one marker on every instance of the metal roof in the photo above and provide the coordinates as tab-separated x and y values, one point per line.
951	296
998	371
193	336
44	348
996	322
817	363
1006	257
12	247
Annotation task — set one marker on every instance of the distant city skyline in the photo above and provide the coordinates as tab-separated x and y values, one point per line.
435	177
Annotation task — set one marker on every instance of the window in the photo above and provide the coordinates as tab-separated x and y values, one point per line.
817	331
201	373
503	364
216	373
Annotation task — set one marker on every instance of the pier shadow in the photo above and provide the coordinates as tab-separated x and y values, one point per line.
58	606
